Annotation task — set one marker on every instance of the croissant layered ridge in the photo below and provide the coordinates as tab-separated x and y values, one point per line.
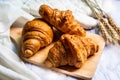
36	34
72	50
61	20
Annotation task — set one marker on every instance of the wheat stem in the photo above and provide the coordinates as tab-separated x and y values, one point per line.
108	28
105	33
112	23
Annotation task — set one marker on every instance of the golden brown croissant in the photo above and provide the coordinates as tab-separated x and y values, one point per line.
36	34
61	20
72	50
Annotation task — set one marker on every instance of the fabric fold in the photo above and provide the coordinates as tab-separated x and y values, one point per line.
11	66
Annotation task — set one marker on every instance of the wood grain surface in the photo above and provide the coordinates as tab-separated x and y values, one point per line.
86	71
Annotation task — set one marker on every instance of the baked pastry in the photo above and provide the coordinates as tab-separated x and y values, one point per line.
72	50
35	35
61	20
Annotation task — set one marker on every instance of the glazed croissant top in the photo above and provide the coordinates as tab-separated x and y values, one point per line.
36	34
61	20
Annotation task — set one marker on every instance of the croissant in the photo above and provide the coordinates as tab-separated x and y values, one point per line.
35	35
61	20
72	50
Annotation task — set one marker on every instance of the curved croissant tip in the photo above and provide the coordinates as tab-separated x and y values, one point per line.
28	53
48	64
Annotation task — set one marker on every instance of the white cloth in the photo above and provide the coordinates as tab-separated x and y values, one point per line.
109	64
79	9
12	68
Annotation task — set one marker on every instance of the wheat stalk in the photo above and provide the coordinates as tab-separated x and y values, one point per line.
114	29
105	33
117	29
109	29
112	23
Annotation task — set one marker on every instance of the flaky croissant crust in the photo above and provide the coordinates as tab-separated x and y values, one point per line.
35	35
72	50
61	20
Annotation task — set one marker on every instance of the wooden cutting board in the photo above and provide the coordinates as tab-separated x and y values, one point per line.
85	72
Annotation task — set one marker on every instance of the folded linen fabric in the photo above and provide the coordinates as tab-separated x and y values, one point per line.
11	67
